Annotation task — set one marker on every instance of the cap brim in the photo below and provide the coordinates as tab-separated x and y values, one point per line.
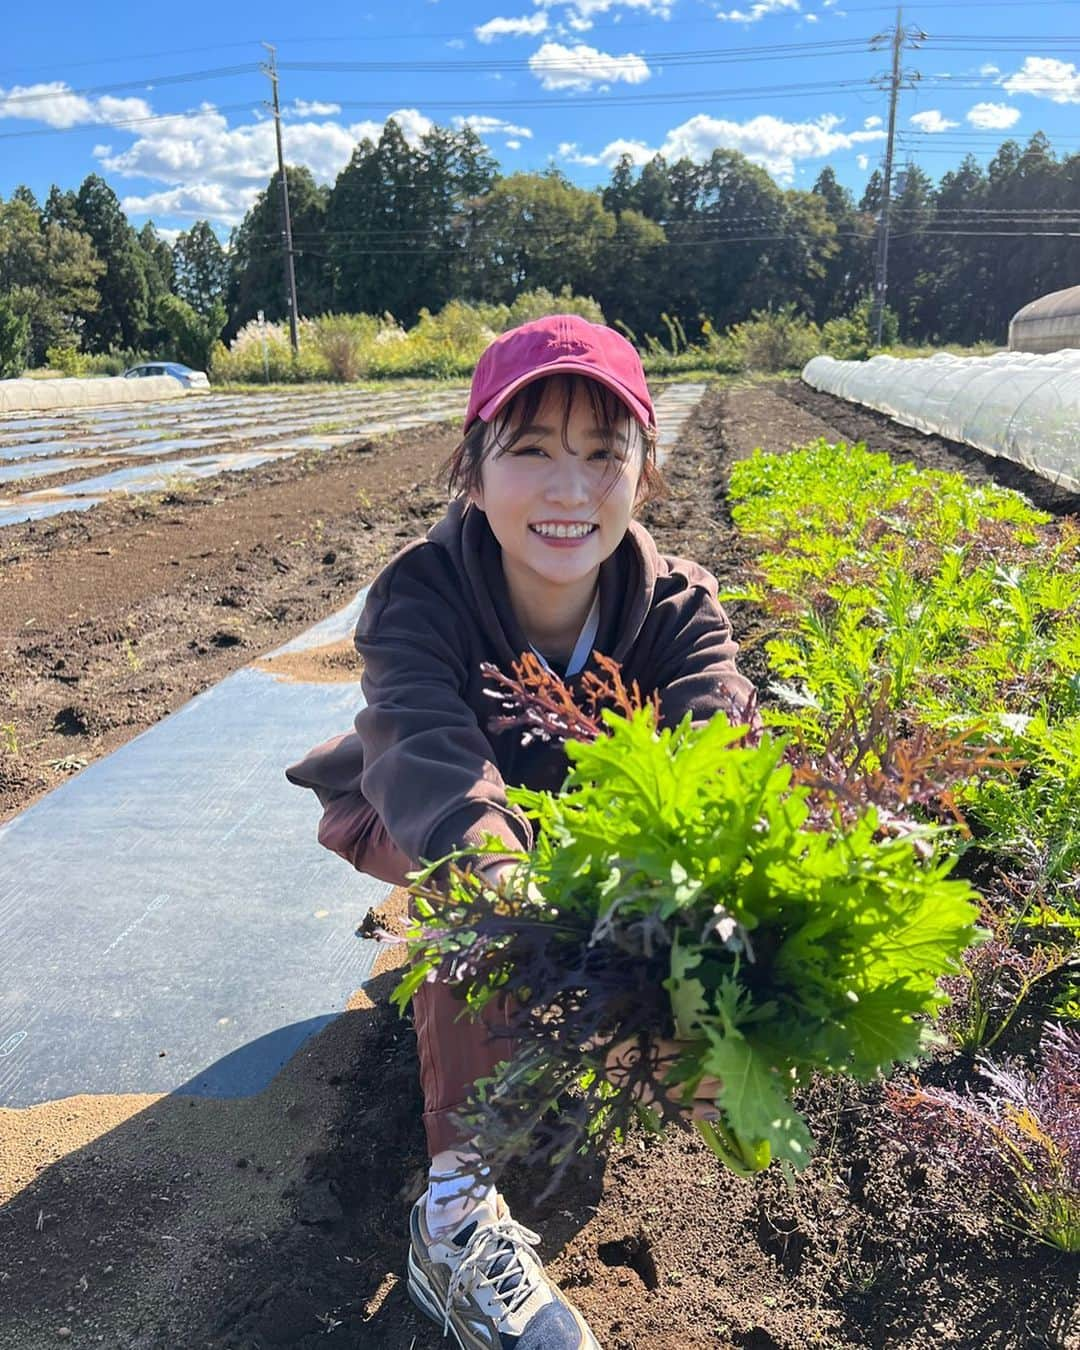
634	405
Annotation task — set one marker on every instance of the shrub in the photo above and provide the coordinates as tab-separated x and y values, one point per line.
536	304
342	341
850	338
68	360
191	335
243	360
112	363
775	341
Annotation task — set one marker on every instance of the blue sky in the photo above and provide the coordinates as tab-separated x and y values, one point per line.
168	104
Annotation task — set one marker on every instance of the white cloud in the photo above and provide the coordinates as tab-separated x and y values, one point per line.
932	121
580	67
57	106
513	145
993	116
303	108
757	11
529	25
580	13
200	201
638	152
766	140
212	169
490	126
989	69
457	44
811	18
863	161
871	122
110	109
1045	77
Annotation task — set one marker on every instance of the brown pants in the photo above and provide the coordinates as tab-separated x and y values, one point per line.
454	1051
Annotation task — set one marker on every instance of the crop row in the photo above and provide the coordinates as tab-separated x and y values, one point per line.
957	607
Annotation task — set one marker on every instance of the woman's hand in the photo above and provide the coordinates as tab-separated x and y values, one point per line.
703	1104
494	873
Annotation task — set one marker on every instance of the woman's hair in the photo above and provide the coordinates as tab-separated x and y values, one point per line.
622	432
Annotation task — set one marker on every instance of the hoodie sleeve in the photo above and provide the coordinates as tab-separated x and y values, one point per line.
697	671
428	770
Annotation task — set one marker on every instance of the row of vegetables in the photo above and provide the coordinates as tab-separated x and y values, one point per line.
879	866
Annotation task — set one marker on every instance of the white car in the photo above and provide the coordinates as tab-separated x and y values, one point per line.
190	379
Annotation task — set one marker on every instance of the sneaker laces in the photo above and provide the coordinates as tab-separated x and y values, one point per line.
516	1278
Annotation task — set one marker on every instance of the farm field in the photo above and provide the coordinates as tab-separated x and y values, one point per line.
280	1220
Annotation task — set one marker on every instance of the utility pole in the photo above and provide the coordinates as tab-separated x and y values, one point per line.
900	38
270	70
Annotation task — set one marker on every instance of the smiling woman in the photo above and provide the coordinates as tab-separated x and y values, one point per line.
558	486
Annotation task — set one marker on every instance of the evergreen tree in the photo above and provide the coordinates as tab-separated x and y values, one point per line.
909	277
121	317
849	273
256	260
618	196
201	268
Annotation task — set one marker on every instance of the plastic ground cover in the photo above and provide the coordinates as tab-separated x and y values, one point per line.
169	921
1020	406
273	439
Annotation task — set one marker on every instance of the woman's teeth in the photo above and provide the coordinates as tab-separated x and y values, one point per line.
564	531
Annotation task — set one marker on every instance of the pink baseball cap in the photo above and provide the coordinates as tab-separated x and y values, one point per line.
560	344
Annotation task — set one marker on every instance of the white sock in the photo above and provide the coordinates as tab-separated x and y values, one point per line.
456	1186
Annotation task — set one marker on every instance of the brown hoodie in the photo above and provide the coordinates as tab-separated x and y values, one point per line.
422	775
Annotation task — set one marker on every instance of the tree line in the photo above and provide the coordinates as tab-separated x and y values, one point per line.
408	227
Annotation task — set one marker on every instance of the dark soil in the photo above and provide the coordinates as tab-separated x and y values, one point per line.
281	1221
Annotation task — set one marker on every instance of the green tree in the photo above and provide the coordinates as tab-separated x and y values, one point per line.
630	272
538	230
121	317
201	268
849	272
619	195
256	259
67	295
909	276
14	340
190	336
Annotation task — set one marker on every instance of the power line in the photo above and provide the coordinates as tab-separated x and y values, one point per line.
187	77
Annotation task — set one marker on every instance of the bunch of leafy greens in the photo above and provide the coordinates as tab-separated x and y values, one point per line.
700	903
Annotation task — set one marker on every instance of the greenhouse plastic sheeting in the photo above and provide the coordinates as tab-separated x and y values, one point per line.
1022	407
20	395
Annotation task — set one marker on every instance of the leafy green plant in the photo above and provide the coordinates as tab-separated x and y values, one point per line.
768	913
1018	1138
10	733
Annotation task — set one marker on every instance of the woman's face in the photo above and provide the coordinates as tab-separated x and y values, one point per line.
538	495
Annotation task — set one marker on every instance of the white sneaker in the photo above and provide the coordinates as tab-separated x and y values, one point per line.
484	1283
